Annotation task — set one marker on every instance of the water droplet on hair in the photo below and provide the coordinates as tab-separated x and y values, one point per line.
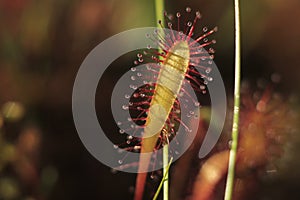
197	104
170	24
205	40
120	161
139	55
135	62
205	82
133	69
136	95
198	14
130	103
170	17
189	24
147	35
202	87
133	87
115	146
125	107
127	96
178	14
188	9
119	123
211	50
205	29
139	74
132	78
209	78
148	46
122	131
208	70
141	60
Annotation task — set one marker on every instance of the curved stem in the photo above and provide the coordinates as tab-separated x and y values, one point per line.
235	125
166	171
164	179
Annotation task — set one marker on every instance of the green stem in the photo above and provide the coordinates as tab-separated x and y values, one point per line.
164	179
235	126
166	171
159	8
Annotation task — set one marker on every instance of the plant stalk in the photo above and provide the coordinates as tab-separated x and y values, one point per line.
166	171
164	179
159	9
236	110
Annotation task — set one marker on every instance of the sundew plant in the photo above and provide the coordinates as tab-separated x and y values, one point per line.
184	58
181	58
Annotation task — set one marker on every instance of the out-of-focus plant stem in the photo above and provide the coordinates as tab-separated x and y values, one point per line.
235	125
164	179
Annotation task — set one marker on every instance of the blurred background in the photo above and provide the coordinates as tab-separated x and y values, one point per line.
42	45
